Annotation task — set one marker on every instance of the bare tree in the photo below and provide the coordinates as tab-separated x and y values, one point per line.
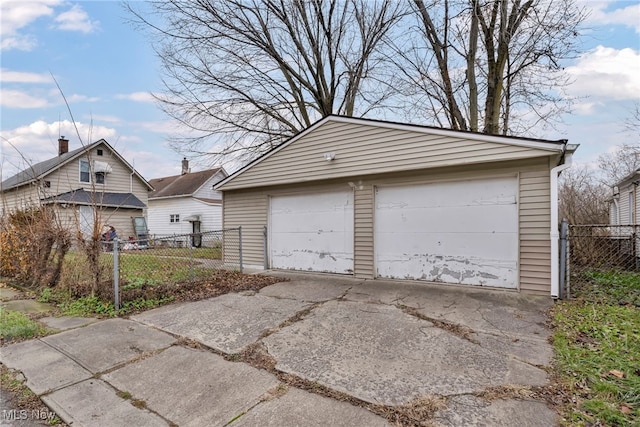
491	66
620	163
583	197
632	122
246	74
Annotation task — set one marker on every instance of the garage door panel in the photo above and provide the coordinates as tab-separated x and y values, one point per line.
414	244
459	270
312	232
498	191
452	232
455	219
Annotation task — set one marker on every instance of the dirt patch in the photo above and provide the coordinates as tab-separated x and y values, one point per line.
220	282
258	356
458	330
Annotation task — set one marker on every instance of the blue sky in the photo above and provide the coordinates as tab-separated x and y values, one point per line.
107	71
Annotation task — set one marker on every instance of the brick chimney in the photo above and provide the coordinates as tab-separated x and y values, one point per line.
63	146
185	166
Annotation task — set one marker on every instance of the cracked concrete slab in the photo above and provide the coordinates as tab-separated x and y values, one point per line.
64	323
45	368
301	408
109	343
227	323
94	403
193	387
472	411
387	356
309	290
482	310
529	350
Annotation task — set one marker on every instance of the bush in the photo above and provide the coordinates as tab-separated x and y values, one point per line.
33	246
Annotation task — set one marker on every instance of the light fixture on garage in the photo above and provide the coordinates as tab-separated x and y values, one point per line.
329	156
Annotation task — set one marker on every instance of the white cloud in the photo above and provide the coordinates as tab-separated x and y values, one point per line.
628	16
81	98
17	99
15	15
9	76
38	141
76	19
137	96
607	73
585	108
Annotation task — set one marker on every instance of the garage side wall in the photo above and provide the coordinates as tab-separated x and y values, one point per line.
535	219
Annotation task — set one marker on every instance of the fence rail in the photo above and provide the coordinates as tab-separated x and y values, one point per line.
599	248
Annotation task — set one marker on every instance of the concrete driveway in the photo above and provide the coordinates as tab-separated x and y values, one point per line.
317	350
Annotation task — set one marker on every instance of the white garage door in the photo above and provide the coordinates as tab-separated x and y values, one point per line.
312	232
452	232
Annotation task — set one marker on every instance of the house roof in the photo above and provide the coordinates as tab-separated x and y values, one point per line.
624	181
553	146
83	197
181	185
39	170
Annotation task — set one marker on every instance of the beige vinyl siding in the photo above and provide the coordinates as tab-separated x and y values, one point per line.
363	149
247	209
535	217
363	232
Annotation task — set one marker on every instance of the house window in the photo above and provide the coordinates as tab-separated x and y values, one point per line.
100	177
174	218
46	184
632	208
85	171
100	152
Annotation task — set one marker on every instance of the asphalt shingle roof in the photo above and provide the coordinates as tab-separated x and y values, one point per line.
83	197
39	169
180	185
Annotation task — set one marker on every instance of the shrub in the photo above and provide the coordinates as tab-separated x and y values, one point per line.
33	246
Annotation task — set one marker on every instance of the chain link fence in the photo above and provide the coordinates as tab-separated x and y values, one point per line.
594	249
170	259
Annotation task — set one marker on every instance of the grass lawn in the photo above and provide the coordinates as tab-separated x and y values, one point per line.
597	345
16	325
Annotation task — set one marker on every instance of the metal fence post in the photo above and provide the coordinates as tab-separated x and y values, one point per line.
564	231
116	274
240	246
264	247
190	243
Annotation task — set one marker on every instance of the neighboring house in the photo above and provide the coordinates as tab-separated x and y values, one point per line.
376	199
186	203
624	205
85	185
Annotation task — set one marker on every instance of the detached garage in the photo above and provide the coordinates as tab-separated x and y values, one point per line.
395	201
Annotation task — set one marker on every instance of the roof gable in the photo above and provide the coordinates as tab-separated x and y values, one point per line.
182	185
40	170
357	147
628	179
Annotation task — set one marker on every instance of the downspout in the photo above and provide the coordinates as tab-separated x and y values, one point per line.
555	233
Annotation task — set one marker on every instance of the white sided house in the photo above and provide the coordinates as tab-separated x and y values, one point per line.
89	186
377	199
624	205
186	203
